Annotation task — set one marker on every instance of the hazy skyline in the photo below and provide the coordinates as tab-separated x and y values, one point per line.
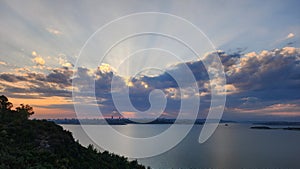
258	42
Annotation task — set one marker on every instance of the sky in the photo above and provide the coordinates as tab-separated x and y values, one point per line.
51	48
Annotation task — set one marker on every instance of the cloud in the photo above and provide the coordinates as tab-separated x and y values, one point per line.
258	71
265	79
33	53
11	78
3	63
37	59
129	114
277	109
255	81
61	76
57	106
285	40
65	63
54	31
290	35
250	81
56	83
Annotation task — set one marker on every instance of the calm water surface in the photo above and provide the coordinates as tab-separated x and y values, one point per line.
230	147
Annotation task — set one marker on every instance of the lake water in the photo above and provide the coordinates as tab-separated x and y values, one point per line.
231	147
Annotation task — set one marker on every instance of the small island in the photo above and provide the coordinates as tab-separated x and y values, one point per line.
277	128
260	127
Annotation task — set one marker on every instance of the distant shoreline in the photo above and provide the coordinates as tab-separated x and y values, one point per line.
126	121
274	128
123	121
265	125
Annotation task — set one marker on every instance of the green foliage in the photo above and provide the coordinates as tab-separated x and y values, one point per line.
40	144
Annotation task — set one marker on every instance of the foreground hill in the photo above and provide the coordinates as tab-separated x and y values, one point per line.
39	144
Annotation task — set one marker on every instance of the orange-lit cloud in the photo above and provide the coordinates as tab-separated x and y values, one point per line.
65	63
106	68
129	114
37	59
275	109
3	63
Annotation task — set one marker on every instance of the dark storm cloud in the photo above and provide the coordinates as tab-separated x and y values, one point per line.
162	81
53	84
260	80
11	78
139	94
60	76
229	60
270	75
264	80
165	80
104	80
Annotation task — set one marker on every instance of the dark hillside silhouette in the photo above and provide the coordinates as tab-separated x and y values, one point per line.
41	144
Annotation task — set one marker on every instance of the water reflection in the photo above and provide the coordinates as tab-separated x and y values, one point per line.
231	147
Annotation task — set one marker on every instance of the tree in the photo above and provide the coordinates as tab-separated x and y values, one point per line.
21	113
5	104
25	110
